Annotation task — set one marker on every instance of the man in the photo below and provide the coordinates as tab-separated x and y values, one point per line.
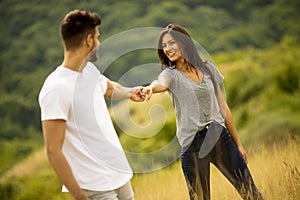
81	143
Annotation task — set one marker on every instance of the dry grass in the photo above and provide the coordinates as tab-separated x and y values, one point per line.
160	185
34	163
275	171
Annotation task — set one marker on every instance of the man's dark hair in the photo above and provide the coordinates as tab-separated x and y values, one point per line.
76	26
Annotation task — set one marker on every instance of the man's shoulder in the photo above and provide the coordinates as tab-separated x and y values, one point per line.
58	82
54	79
92	66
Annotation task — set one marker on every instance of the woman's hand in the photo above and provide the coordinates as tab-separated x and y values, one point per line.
244	154
137	94
147	91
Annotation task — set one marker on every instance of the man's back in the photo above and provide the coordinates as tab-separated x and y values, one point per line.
91	145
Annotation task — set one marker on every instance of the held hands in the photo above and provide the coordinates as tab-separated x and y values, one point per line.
148	92
140	94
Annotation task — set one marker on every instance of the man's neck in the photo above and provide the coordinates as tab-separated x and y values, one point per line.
74	60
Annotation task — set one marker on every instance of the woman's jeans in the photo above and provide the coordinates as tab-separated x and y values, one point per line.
225	155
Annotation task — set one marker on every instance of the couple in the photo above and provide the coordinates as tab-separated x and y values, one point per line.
81	143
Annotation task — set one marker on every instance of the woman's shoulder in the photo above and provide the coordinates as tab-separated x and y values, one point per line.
211	66
169	67
214	71
209	63
170	70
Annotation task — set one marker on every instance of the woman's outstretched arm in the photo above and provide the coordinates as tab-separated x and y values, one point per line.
155	87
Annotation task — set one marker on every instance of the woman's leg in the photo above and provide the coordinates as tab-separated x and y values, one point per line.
228	159
196	171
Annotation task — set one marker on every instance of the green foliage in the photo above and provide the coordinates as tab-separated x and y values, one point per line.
150	144
9	189
287	78
264	93
257	39
37	186
16	150
27	54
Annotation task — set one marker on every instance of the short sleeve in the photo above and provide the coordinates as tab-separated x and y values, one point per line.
218	77
55	102
94	72
165	78
102	83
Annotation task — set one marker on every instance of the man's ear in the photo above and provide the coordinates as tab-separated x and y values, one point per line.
89	40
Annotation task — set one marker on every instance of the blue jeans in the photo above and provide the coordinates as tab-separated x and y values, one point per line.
225	155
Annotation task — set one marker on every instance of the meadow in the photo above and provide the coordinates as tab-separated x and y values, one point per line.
255	44
275	169
266	111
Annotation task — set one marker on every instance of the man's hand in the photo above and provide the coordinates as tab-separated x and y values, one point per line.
145	93
80	196
54	134
138	95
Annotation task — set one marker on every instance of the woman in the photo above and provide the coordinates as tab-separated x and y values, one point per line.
205	128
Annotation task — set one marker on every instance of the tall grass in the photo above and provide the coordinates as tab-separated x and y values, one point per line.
275	169
276	172
261	118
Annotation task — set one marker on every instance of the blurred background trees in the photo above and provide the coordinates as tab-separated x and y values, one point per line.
30	48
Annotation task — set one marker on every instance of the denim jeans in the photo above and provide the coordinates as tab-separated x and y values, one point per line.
225	155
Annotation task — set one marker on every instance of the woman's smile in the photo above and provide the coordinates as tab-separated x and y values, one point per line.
170	47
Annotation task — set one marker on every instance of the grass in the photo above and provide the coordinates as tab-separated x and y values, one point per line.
276	172
264	119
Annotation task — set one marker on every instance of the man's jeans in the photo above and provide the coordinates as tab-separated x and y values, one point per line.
123	193
225	155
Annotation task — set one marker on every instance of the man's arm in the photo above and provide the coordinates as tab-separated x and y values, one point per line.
54	134
116	91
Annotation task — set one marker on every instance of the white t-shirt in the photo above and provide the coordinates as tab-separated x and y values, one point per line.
91	144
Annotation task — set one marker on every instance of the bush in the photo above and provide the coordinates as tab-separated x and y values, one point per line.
9	189
287	78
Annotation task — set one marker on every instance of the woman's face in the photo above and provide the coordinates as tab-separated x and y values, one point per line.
171	48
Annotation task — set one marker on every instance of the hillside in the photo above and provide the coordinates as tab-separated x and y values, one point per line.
255	44
30	46
262	90
263	87
260	107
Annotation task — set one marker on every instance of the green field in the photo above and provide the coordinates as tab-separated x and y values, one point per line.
266	111
255	44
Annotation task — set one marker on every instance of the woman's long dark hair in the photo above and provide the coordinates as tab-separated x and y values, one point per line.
190	55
